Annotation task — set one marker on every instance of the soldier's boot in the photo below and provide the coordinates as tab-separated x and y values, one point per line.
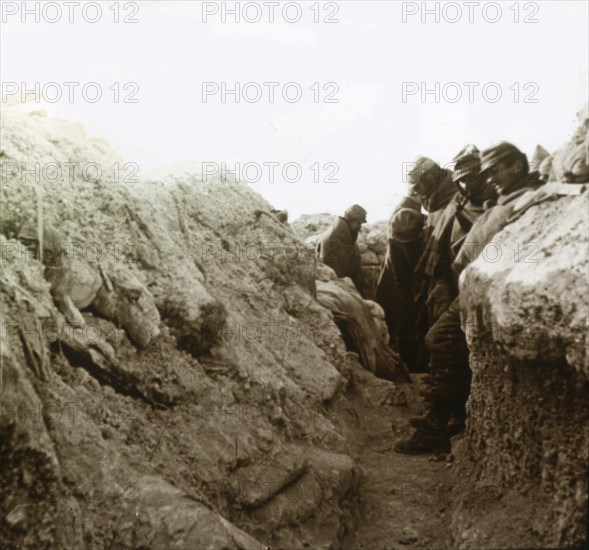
421	422
436	418
418	421
424	441
457	422
454	427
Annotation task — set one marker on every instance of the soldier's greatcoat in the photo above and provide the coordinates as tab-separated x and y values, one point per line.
338	249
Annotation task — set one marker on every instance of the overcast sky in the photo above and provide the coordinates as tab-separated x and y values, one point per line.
354	147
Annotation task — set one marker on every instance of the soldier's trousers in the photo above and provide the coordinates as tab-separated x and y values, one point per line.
449	370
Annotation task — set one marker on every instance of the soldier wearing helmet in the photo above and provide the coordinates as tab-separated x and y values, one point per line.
338	248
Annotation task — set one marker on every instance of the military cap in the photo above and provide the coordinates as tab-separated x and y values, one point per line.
501	152
409	202
426	174
406	225
467	163
356	213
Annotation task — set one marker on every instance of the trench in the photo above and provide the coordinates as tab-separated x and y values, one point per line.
405	501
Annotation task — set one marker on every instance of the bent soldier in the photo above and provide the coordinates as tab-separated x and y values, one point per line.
338	248
396	285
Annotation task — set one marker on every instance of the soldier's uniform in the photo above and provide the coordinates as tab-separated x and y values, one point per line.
450	373
395	291
338	248
449	370
435	187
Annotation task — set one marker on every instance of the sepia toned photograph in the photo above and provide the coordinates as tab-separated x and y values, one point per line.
289	275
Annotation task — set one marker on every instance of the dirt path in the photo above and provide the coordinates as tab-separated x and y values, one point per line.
405	499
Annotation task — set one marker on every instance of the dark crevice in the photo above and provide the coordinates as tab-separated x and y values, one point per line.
122	383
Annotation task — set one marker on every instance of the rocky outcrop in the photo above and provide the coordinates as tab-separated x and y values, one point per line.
363	328
123	299
524	305
175	383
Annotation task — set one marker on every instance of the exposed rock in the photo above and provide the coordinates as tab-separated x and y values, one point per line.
325	273
128	303
375	310
362	247
370	258
30	467
161	516
312	491
84	283
74	283
360	330
196	318
241	424
376	239
310	225
528	414
312	241
239	381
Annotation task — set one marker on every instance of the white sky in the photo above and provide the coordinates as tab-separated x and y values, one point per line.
369	133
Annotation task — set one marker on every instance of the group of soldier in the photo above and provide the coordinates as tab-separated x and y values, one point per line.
418	284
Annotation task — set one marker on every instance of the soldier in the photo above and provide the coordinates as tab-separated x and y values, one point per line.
505	168
439	285
435	188
395	291
449	380
410	201
338	248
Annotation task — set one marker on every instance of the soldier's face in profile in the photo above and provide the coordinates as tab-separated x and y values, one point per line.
475	186
502	176
469	183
